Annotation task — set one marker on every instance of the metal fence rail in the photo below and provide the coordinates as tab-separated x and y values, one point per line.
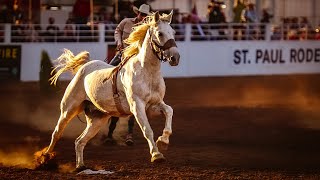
35	33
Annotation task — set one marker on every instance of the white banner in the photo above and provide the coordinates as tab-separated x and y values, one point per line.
202	58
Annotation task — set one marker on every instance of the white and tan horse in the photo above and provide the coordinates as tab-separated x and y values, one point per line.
135	87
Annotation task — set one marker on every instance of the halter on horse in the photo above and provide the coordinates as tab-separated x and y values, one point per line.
138	81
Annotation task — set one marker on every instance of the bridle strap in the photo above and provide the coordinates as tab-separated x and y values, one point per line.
156	53
170	43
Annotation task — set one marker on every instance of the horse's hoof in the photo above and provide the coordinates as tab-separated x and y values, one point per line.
109	142
80	168
162	145
48	164
45	161
158	158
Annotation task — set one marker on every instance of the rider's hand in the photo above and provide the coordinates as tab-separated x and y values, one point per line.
119	46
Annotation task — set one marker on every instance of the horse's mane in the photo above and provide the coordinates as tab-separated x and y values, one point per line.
138	34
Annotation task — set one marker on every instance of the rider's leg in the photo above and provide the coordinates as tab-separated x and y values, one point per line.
112	126
129	138
116	60
131	124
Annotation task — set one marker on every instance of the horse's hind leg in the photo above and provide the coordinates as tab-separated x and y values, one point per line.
69	108
95	120
44	158
67	113
163	140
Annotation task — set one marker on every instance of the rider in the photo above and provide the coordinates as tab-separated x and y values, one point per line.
121	33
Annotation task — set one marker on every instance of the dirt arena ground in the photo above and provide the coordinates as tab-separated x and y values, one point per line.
265	127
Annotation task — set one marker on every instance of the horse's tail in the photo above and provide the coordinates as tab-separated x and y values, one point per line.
68	62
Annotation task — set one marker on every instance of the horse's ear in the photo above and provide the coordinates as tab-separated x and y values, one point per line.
170	16
156	16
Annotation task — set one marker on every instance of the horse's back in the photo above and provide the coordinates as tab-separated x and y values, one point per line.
97	70
95	65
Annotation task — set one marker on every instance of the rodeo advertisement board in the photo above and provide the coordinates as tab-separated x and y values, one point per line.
10	61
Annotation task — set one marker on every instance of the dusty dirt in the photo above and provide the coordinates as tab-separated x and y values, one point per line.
265	127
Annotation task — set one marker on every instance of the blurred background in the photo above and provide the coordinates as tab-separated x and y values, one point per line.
284	30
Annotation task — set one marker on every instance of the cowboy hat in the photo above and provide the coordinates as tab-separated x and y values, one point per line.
144	8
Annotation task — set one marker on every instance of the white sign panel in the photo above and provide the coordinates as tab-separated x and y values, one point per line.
202	58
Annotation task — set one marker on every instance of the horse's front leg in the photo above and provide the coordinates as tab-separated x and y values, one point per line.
139	111
163	140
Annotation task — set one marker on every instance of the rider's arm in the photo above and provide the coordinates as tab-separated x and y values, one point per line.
118	34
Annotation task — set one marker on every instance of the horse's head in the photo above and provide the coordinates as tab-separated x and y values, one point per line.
162	39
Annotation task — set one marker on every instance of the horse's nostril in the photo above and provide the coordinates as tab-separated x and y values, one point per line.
178	57
174	60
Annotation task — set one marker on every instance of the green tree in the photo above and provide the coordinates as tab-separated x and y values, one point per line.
46	67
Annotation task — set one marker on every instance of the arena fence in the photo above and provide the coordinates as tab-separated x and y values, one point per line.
24	33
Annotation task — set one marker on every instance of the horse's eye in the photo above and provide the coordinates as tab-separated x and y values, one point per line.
160	34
